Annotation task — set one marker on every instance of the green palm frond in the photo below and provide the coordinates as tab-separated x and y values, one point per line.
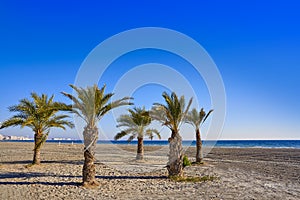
120	135
157	113
125	121
186	110
12	122
207	115
193	118
101	111
130	138
76	104
173	113
136	122
196	118
40	114
91	103
20	116
132	131
150	132
59	124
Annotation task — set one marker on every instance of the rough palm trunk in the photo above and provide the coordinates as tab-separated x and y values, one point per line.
199	151
37	148
140	149
90	135
175	163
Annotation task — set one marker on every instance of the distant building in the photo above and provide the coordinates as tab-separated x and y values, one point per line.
61	139
23	138
57	138
13	137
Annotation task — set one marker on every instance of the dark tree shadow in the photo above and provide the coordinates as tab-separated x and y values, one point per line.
132	177
12	175
16	162
42	183
72	162
24	175
37	174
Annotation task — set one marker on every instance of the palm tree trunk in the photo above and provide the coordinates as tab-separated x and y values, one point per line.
90	135
175	163
37	149
140	149
199	151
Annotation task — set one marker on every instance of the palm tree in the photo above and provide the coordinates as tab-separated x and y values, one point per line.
196	119
136	122
40	115
91	104
172	115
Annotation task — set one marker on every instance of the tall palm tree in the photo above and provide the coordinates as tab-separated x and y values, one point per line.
91	104
196	119
172	115
39	114
136	122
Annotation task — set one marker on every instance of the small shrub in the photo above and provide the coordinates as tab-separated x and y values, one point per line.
186	161
193	179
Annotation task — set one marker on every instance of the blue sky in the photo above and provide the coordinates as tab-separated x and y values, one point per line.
255	44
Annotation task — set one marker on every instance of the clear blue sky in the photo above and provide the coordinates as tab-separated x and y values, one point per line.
255	44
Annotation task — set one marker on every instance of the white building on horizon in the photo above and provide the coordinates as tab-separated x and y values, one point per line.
13	137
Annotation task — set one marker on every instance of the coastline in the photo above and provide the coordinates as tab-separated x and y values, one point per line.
268	144
243	173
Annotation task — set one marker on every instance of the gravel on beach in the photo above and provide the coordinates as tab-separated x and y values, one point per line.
240	173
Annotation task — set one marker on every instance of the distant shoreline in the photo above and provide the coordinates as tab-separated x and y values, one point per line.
292	144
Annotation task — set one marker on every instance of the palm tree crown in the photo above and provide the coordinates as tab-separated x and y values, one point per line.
136	122
39	114
196	118
173	113
92	104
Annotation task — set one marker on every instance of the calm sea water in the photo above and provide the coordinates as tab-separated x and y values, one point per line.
221	143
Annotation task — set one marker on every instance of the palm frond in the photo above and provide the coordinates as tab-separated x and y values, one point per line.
125	121
196	118
173	113
184	114
150	132
130	138
207	115
39	114
136	122
120	135
109	106
12	122
91	103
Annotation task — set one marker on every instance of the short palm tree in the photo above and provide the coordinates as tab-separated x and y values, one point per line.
172	115
136	124
91	104
39	114
196	119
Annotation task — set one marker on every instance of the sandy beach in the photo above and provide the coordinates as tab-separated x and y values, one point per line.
246	173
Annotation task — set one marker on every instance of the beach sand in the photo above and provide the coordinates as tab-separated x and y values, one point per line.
241	174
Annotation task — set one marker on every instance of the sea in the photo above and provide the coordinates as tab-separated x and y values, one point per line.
295	144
